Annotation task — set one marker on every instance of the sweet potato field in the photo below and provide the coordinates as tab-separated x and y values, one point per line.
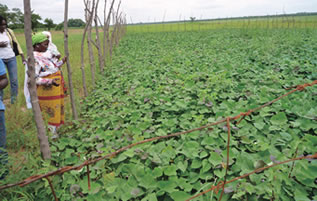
163	83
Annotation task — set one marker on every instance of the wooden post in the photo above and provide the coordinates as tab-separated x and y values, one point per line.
69	70
113	34
100	56
107	30
41	131
89	18
82	57
104	32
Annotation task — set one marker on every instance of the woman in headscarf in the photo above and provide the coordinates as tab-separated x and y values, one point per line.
54	54
49	80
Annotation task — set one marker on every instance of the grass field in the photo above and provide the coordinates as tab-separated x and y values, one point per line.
266	23
181	70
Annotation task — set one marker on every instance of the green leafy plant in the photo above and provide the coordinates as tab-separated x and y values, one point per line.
161	83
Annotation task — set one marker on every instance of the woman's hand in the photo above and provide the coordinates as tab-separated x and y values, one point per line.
3	44
54	82
23	59
64	59
50	82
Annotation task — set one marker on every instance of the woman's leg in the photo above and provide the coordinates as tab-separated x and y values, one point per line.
2	132
13	75
3	152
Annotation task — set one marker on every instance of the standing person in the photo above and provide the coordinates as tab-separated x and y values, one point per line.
3	153
49	80
9	49
53	53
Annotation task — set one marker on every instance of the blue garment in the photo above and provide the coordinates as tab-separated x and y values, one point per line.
3	152
2	135
12	68
2	72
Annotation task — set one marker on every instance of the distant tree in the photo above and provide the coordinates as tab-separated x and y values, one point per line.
49	23
16	18
192	19
76	23
59	26
4	11
35	19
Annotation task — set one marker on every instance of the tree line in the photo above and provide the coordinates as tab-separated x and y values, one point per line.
15	19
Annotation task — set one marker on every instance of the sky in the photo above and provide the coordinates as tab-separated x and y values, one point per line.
137	11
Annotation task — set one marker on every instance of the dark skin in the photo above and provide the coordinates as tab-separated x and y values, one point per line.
42	47
3	81
3	26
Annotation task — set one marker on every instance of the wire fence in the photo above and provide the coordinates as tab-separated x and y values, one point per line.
220	185
274	22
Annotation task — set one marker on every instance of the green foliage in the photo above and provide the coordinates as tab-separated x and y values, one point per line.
15	17
76	23
4	11
161	83
49	23
59	26
35	20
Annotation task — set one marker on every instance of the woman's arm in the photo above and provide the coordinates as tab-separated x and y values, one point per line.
3	44
3	81
3	76
60	63
47	82
39	72
19	47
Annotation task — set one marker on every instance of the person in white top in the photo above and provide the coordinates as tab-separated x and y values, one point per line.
55	56
9	49
49	83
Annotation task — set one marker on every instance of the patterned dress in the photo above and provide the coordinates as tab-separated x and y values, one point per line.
51	98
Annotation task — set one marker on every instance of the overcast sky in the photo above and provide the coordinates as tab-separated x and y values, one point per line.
155	10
